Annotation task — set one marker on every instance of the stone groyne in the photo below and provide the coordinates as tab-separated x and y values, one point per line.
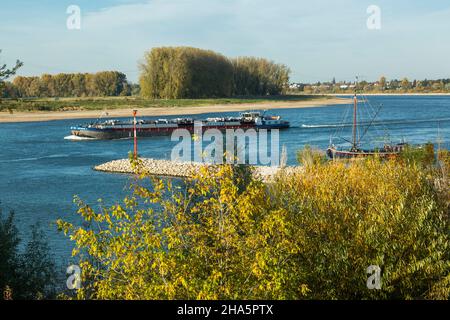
177	168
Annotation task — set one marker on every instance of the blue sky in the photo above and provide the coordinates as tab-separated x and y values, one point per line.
318	39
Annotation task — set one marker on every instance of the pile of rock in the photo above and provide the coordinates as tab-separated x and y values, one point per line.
179	169
153	167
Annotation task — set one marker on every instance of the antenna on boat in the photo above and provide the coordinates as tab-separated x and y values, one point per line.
103	114
439	138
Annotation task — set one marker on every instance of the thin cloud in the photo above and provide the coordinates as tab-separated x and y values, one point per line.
317	39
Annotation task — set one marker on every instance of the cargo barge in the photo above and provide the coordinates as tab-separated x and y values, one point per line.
120	129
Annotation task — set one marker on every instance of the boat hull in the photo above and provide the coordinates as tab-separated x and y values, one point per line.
107	134
280	126
126	133
333	153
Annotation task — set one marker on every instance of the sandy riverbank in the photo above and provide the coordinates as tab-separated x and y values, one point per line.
167	111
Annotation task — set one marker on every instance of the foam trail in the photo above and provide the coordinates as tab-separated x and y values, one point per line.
52	156
323	125
77	138
376	123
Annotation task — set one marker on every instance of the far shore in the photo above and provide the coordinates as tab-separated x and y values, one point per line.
35	116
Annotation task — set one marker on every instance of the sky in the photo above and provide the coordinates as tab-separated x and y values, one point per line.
319	40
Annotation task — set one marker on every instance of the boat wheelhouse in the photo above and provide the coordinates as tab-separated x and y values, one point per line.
263	121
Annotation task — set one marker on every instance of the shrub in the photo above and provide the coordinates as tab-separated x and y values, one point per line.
309	235
344	218
205	241
422	155
444	160
310	156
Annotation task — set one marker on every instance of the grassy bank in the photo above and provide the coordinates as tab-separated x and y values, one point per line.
100	103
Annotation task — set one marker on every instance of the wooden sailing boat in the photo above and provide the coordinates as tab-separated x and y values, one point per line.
355	151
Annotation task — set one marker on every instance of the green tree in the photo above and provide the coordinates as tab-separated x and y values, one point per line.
394	84
9	258
257	76
26	275
185	72
107	83
406	84
9	90
37	268
21	83
382	83
79	85
6	73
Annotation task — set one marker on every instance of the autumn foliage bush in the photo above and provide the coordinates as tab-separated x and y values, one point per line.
345	218
310	235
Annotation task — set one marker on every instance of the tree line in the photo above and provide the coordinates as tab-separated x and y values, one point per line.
106	83
166	73
185	72
383	85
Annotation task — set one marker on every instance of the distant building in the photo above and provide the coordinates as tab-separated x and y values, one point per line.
295	86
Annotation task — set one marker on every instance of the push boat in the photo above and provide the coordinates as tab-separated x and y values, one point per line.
388	150
120	129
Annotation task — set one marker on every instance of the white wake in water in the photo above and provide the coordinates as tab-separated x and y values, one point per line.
323	125
376	123
77	138
52	156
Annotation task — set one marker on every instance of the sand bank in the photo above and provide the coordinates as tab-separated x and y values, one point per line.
167	111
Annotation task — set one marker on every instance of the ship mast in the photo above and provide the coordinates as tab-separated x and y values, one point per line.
355	123
135	152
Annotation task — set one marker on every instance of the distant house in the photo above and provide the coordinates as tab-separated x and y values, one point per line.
344	86
295	86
